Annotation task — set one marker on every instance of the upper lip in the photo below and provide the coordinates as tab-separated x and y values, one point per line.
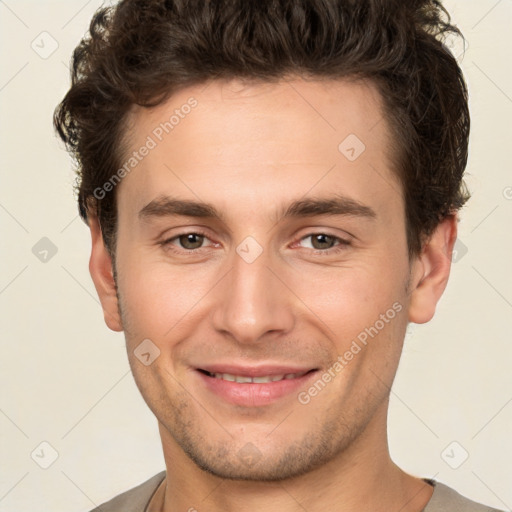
255	371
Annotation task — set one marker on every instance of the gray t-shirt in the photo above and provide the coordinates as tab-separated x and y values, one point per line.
137	499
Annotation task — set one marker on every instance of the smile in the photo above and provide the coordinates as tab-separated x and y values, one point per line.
257	380
254	390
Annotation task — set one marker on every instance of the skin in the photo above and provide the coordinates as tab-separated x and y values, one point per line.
250	149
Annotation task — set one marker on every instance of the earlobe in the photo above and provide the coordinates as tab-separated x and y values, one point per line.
100	267
431	270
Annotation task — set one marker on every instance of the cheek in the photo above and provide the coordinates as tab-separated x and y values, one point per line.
348	299
362	311
158	298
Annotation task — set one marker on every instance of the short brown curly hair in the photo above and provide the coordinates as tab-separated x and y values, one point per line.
141	51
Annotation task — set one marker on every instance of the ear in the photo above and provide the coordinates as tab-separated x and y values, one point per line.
100	267
430	271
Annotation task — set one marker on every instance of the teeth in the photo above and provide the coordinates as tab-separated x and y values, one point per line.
261	380
242	379
257	380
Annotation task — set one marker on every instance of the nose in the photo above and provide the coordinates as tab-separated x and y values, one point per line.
252	301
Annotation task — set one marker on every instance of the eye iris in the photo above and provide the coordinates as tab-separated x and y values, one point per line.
322	241
191	241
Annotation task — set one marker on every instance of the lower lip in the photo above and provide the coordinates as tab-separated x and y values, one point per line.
252	394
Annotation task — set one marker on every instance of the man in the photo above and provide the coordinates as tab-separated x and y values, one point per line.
272	191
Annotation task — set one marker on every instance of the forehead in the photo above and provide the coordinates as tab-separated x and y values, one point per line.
238	107
277	138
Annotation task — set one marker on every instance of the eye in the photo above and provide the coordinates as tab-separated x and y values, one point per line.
323	242
187	242
191	240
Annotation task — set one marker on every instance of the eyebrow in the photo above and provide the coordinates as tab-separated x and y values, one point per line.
165	206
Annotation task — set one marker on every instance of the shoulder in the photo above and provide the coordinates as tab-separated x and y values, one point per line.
445	499
135	499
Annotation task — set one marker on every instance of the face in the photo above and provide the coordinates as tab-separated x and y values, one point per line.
262	235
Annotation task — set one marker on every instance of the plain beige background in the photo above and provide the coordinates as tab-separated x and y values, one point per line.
65	377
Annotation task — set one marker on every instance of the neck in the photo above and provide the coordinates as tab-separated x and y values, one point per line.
362	477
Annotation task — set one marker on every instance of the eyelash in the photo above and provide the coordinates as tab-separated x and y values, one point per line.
341	244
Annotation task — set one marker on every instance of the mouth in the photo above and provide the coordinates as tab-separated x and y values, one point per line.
254	387
246	379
